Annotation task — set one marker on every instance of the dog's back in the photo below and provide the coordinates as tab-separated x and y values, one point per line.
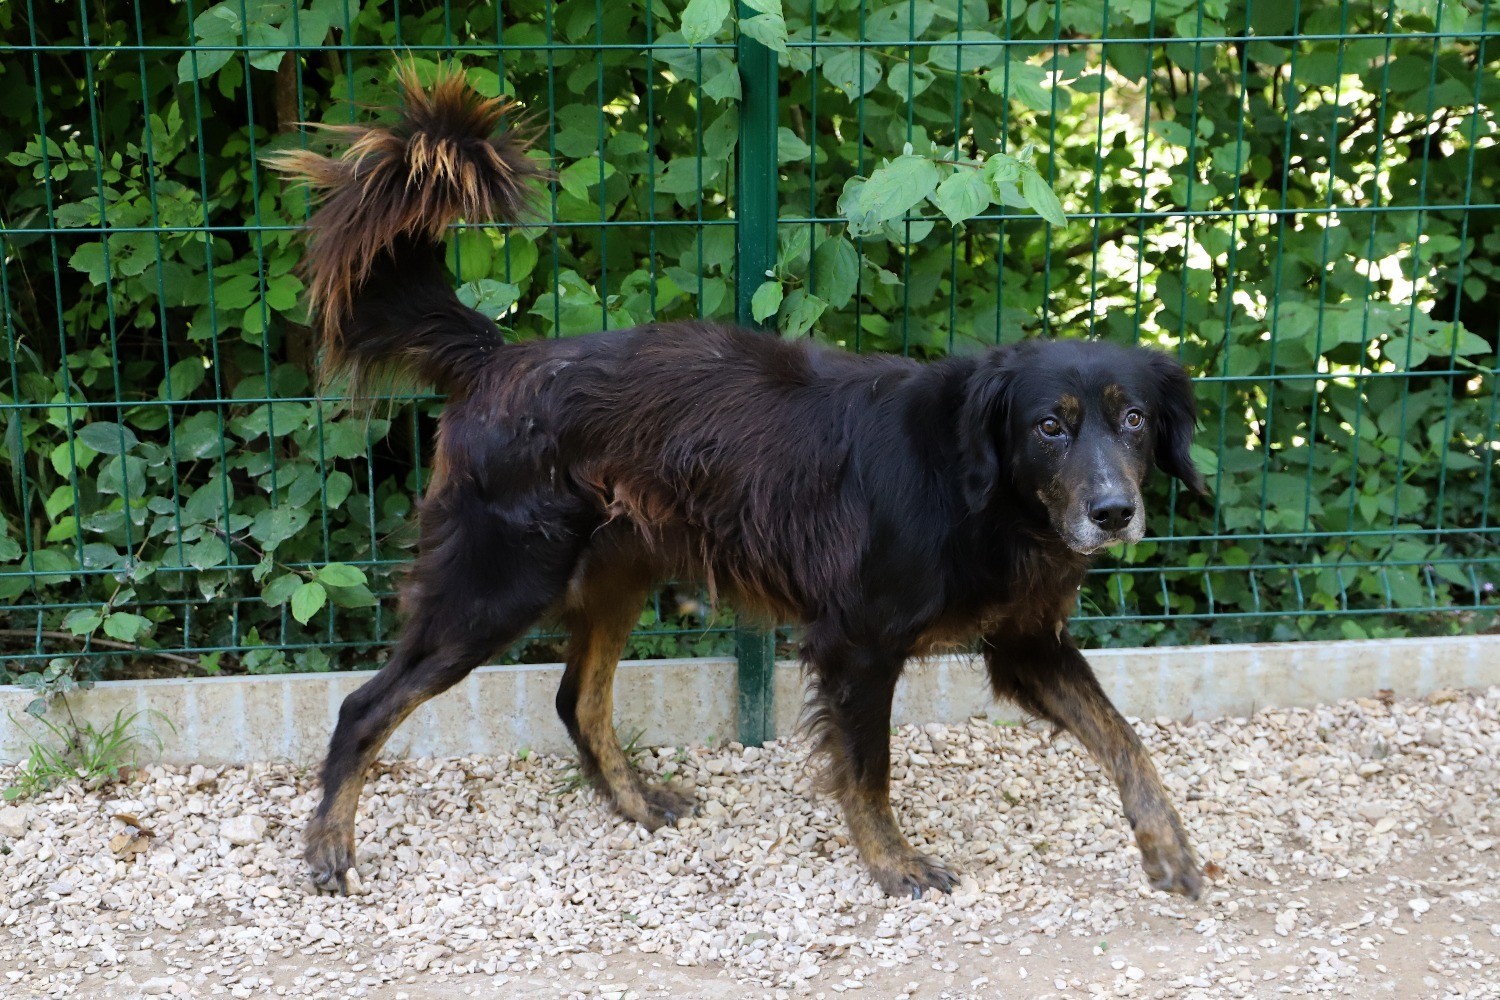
711	445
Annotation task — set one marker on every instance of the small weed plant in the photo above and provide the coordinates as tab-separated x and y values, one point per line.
69	751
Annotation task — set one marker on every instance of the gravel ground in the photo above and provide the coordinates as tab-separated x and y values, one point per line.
1349	850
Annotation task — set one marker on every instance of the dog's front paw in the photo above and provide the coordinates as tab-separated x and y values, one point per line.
330	860
911	874
1168	858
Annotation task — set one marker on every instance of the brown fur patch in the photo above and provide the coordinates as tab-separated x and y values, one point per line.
603	606
1070	409
899	868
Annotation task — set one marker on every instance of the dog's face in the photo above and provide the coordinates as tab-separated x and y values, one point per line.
1071	429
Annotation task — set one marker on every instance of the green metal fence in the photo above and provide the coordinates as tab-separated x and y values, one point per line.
1298	198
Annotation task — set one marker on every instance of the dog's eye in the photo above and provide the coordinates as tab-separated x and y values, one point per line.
1134	420
1050	427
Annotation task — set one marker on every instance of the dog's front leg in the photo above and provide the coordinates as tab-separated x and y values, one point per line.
1048	676
851	720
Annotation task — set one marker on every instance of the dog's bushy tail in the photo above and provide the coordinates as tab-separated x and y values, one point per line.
384	302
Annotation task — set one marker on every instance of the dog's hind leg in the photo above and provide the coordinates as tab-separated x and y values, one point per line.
850	719
603	606
1046	675
480	582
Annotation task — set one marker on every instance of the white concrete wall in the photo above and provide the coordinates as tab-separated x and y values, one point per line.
503	709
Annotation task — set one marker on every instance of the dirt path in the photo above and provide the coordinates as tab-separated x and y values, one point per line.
1351	849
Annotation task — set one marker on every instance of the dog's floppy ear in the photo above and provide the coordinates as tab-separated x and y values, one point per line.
1176	421
978	419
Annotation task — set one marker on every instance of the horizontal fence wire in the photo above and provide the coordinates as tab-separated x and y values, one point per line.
1298	200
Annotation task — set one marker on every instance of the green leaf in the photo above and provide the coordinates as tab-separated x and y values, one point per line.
279	590
854	71
725	84
836	271
89	259
578	178
800	312
911	80
336	489
957	51
766	300
789	147
892	191
185	377
341	575
486	82
358	596
702	19
125	626
82	621
470	255
199	436
108	438
281	292
768	29
275	525
308	600
1040	197
199	65
895	23
490	297
963	195
1172	132
1023	82
267	44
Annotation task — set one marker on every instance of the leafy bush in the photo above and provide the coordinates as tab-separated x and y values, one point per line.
1282	211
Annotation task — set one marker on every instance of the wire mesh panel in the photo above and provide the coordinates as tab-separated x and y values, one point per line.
177	481
1290	197
1298	199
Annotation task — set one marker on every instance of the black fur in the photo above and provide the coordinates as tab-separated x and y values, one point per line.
890	507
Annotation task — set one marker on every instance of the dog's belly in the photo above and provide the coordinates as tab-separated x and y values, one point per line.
669	550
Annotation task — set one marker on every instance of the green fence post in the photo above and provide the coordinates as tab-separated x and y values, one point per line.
755	254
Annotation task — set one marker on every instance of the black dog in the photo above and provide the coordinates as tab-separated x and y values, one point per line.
888	506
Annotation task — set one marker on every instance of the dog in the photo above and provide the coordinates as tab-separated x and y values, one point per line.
889	507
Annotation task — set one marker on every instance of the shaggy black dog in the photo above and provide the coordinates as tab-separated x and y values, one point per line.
888	506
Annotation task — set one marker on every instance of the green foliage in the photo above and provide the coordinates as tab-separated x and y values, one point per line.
1281	214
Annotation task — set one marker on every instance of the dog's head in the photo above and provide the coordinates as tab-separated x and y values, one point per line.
1070	430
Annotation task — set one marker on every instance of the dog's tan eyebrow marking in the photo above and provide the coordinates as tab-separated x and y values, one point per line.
1069	408
1114	395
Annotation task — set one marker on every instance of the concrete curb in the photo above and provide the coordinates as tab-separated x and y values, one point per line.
234	720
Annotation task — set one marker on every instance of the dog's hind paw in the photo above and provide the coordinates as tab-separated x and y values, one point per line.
659	806
652	806
1169	862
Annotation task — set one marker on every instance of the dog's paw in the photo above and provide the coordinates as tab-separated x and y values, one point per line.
330	861
1169	861
912	874
668	805
655	806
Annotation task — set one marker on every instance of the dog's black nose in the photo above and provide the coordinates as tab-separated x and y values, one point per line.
1112	513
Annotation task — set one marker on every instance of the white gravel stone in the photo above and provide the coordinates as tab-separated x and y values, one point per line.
14	822
242	831
483	877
